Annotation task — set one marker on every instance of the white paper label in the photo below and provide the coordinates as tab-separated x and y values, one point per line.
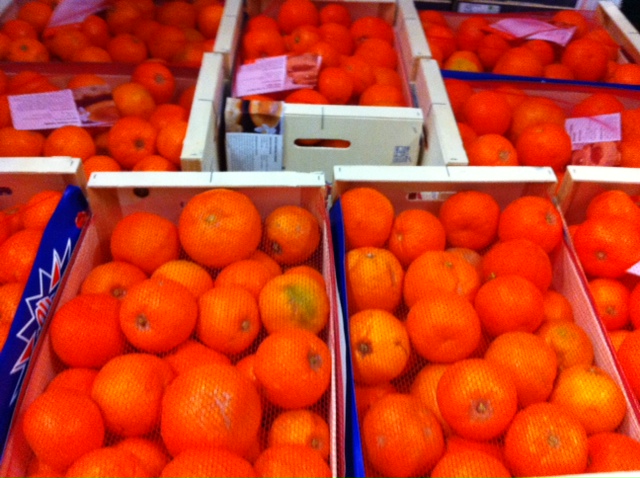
279	73
531	29
634	269
594	129
44	110
254	152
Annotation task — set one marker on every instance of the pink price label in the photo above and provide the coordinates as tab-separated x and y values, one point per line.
68	12
530	29
634	269
594	129
279	73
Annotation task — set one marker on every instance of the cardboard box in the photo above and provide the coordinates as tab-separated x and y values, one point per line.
20	179
376	135
115	195
427	188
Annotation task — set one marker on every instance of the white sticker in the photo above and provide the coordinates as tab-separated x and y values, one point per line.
254	152
594	129
531	29
44	110
279	73
75	11
634	269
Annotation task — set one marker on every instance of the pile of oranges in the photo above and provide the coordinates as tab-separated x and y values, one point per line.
148	134
21	229
607	243
199	349
475	46
359	62
503	125
129	31
466	360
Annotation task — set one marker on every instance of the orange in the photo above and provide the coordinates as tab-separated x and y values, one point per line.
374	279
487	112
367	395
570	342
130	139
534	110
413	232
557	307
519	61
219	226
29	81
191	354
151	453
491	48
470	219
170	140
114	278
477	398
306	96
470	32
70	140
181	14
250	274
601	34
20	143
228	320
328	53
309	272
370	26
10	297
607	246
401	437
293	301
544	144
532	363
513	94
544	50
544	439
166	42
424	387
301	427
368	217
380	346
17	28
509	303
595	104
443	327
194	277
469	463
166	113
458	91
54	438
38	469
456	444
210	405
96	30
428	17
27	50
626	73
442	38
133	99
611	299
612	202
558	71
571	18
291	460
629	153
91	320
17	255
628	359
387	76
292	234
127	48
185	99
335	13
335	84
518	257
463	60
208	20
301	39
587	58
207	461
382	95
260	43
612	452
145	239
492	150
294	368
592	396
66	41
293	13
154	162
617	337
75	378
377	52
361	72
93	54
439	271
260	22
531	217
107	461
157	78
128	389
35	13
37	211
122	16
158	314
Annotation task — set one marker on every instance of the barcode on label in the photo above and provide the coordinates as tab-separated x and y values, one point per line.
401	154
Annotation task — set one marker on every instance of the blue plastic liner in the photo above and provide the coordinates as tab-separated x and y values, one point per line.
54	256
